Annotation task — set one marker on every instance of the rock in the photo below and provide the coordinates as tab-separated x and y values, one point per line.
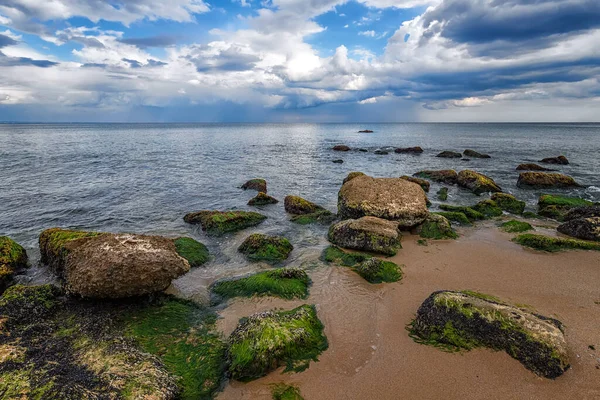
323	217
561	160
449	154
455	216
388	198
367	234
298	206
557	207
447	176
477	183
436	227
488	208
259	247
380	152
554	244
469	212
412	150
353	175
365	131
220	222
29	304
474	154
341	147
106	265
442	194
509	203
421	182
338	161
583	212
532	167
194	252
375	270
286	283
469	320
260	185
543	180
363	150
13	258
262	199
582	228
516	227
264	341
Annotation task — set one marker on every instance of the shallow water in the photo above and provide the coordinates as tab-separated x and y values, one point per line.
144	178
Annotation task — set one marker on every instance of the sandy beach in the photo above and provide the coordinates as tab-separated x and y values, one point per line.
371	355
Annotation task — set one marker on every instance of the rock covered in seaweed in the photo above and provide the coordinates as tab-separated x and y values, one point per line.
367	234
474	154
106	265
393	199
375	270
262	199
264	341
447	176
449	154
582	228
258	184
554	244
436	227
194	252
509	203
532	167
298	206
442	194
468	320
287	283
221	222
488	208
421	182
411	150
476	182
544	180
13	257
560	160
557	207
260	247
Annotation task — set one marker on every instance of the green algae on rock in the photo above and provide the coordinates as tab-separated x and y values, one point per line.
421	182
467	320
13	257
514	226
221	222
436	227
556	207
336	255
193	251
323	217
282	391
544	180
28	304
449	154
476	182
375	270
455	216
262	342
442	194
260	247
554	244
298	206
474	154
258	184
471	214
447	176
367	234
488	208
286	283
509	203
55	244
262	199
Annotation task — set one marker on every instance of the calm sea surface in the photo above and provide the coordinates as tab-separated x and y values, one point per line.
145	178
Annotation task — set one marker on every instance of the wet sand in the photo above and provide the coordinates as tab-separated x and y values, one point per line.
372	357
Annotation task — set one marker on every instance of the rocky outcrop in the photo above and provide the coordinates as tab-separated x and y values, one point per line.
447	176
509	203
221	222
367	234
260	185
468	320
260	247
393	199
560	160
106	265
582	228
449	154
194	252
436	227
341	147
381	152
410	150
477	183
532	167
544	180
262	199
589	211
13	258
421	182
557	207
474	154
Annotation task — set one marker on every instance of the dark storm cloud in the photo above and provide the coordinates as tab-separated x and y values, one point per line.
6	41
231	59
151	41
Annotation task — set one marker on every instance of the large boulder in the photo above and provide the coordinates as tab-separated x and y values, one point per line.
13	257
449	154
509	203
106	265
468	320
474	154
353	175
421	182
258	184
393	199
412	150
532	167
543	180
447	176
560	160
582	228
557	207
477	183
221	222
367	234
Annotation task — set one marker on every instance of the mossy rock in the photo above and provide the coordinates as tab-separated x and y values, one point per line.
367	234
352	175
260	185
477	183
442	194
285	392
467	320
13	257
447	176
333	254
375	270
286	283
557	207
55	244
262	199
475	154
449	154
195	252
322	217
532	167
436	227
24	304
260	247
265	341
421	182
509	203
455	216
221	222
298	206
554	244
516	226
560	160
471	214
544	180
488	208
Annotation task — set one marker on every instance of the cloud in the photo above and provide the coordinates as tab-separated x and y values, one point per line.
367	33
151	41
6	41
7	61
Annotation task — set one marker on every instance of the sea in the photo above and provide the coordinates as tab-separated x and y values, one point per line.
143	178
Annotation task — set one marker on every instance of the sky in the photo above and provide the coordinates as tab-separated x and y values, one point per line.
299	60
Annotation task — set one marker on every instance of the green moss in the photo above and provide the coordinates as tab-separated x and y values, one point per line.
375	270
219	223
516	226
29	303
482	296
298	206
287	283
488	208
442	194
264	341
53	244
422	242
323	217
12	254
180	334
334	254
282	391
259	247
437	230
509	203
455	216
471	214
16	384
530	215
556	207
195	252
262	199
553	244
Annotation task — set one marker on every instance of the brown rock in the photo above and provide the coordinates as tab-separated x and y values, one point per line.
421	182
582	228
541	180
477	183
532	167
341	147
561	160
413	150
367	234
447	176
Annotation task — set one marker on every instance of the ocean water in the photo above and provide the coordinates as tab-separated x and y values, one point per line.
144	178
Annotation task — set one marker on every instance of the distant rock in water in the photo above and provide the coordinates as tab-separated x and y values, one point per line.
262	199
469	320
412	150
532	167
381	152
561	160
582	228
367	234
421	182
542	180
366	131
363	150
449	154
113	266
447	176
338	161
476	182
341	147
220	222
474	154
13	258
260	185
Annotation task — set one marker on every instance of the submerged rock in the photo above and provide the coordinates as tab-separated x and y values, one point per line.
442	194
582	228
262	199
468	320
286	283
436	227
341	147
13	258
561	160
260	185
366	131
322	217
338	161
543	180
393	199
194	252
380	152
412	150
221	222
264	341
474	154
532	167
106	265
557	207
367	234
260	247
421	182
447	176
509	203
476	182
449	154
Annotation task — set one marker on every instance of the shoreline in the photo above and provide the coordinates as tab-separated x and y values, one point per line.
372	356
